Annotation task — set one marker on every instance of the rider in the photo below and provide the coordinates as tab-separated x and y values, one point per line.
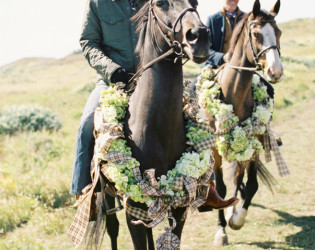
221	25
108	41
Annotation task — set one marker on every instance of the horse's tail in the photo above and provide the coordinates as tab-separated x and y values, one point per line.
265	176
97	228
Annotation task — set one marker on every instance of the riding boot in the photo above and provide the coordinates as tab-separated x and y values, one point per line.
215	201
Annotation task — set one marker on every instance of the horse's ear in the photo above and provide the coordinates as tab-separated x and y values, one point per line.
256	8
275	10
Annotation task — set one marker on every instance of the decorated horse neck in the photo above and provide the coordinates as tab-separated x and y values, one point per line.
236	83
156	123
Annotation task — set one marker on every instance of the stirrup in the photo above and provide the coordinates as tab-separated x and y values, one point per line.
110	190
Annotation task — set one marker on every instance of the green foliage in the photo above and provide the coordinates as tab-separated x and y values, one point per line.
27	118
15	210
87	87
307	62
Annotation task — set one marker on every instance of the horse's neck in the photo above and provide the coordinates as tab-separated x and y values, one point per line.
156	123
236	84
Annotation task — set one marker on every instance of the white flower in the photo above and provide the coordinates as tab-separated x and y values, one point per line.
256	80
109	113
207	84
262	114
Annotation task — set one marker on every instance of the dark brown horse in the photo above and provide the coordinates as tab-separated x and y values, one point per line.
255	43
154	125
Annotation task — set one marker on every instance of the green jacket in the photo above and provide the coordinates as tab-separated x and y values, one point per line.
108	37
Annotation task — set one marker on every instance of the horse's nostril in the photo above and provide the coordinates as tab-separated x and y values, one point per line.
191	35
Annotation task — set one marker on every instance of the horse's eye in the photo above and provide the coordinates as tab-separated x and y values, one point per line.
256	35
160	3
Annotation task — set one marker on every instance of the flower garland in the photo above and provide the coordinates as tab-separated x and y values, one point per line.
235	141
113	103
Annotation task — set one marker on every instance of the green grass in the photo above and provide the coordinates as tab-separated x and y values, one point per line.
36	167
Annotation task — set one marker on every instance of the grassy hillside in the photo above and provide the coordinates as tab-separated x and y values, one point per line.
36	167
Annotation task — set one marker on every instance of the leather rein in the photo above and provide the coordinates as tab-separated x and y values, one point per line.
175	46
256	56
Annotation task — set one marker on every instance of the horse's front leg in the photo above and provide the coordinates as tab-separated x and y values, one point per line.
180	217
237	221
112	223
221	238
139	233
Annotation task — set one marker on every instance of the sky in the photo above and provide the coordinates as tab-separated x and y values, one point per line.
45	28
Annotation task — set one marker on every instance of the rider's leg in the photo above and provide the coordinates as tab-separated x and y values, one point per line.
85	143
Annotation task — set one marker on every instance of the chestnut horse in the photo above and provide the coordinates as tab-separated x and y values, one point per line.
154	124
254	44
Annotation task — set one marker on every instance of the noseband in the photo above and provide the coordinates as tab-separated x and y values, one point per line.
256	56
175	46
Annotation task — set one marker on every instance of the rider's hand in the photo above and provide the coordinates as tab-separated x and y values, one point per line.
120	75
226	57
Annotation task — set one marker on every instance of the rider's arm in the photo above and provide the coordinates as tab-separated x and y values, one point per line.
216	57
91	43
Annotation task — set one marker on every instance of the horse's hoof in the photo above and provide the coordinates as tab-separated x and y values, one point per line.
237	221
220	238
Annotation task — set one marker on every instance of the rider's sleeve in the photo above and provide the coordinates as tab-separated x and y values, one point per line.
216	57
91	43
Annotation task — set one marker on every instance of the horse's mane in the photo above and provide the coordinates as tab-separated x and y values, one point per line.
236	32
141	18
263	15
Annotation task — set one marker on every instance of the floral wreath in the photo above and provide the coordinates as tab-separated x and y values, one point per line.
113	105
235	140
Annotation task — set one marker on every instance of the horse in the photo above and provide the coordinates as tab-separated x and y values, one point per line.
254	43
154	125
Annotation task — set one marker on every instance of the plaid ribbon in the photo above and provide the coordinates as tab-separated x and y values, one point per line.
178	183
150	175
205	125
104	140
137	174
148	190
191	187
81	219
190	111
117	157
205	144
267	147
225	130
137	212
282	166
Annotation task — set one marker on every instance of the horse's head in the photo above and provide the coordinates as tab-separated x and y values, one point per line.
264	41
177	23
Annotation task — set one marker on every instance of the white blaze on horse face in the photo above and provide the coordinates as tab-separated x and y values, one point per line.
274	68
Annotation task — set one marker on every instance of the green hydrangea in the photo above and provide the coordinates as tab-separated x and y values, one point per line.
196	134
260	93
114	98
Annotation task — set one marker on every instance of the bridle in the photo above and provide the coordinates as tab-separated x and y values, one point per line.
175	46
256	56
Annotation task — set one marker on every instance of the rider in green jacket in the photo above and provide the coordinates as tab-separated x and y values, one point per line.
108	41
